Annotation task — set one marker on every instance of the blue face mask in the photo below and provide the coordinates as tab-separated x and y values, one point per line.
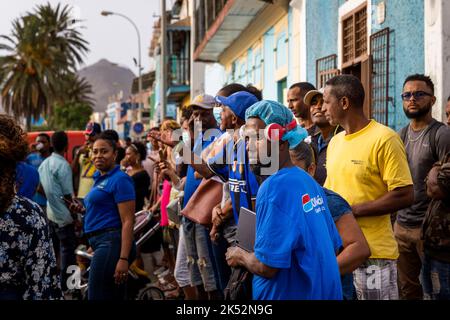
217	111
149	146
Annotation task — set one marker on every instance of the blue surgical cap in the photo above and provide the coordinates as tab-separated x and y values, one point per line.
270	112
274	112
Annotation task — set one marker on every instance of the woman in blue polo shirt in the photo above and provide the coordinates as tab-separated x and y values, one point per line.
108	223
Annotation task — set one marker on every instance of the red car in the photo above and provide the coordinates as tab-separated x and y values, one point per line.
76	139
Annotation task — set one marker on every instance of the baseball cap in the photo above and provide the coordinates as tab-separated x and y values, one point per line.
92	128
310	95
238	102
204	101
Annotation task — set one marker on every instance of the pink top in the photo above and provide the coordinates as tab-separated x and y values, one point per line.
165	199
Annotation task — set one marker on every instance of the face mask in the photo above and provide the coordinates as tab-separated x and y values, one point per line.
186	137
39	146
217	111
149	146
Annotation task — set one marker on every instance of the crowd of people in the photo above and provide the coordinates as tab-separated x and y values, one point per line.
346	208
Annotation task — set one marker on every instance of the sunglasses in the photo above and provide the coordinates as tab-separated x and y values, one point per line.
417	95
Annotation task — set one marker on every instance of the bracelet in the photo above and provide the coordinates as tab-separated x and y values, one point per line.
121	258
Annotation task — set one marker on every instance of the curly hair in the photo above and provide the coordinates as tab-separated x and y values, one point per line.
13	148
170	125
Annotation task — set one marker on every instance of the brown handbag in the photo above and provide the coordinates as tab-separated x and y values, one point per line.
202	202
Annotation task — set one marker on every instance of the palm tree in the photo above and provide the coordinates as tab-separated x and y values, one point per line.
66	41
26	81
42	50
76	90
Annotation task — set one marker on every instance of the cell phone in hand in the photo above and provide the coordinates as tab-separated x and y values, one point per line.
162	155
66	201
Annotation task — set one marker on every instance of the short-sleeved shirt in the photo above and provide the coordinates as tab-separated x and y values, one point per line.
101	202
27	258
339	207
87	171
232	166
27	180
295	233
421	159
56	179
363	167
35	159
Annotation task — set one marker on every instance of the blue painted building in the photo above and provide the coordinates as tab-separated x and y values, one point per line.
380	41
273	44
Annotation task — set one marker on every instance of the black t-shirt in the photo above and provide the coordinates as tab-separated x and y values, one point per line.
141	181
120	155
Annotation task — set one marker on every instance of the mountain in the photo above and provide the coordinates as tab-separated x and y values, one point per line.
107	79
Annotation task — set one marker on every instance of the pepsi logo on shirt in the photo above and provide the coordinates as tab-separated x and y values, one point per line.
310	204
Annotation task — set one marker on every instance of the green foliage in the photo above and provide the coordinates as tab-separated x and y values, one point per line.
43	50
70	116
40	128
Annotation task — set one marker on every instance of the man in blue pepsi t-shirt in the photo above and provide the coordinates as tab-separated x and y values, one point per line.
296	240
295	234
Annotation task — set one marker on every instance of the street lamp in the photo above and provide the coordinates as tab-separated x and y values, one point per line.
109	13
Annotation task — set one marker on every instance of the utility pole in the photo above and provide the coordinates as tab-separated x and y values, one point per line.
163	66
192	48
109	13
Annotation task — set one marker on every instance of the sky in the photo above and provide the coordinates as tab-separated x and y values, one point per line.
111	37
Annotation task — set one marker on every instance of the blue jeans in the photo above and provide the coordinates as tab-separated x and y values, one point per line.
66	242
223	271
199	255
435	279
101	284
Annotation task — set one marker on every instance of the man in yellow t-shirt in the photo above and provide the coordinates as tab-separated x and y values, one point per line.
82	165
367	165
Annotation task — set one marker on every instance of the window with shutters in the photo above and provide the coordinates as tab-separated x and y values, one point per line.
250	66
258	65
243	72
281	49
354	36
326	68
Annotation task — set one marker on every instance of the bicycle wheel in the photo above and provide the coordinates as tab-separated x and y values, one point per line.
150	293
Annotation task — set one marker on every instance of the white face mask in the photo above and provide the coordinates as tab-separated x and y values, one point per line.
39	146
186	137
217	111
